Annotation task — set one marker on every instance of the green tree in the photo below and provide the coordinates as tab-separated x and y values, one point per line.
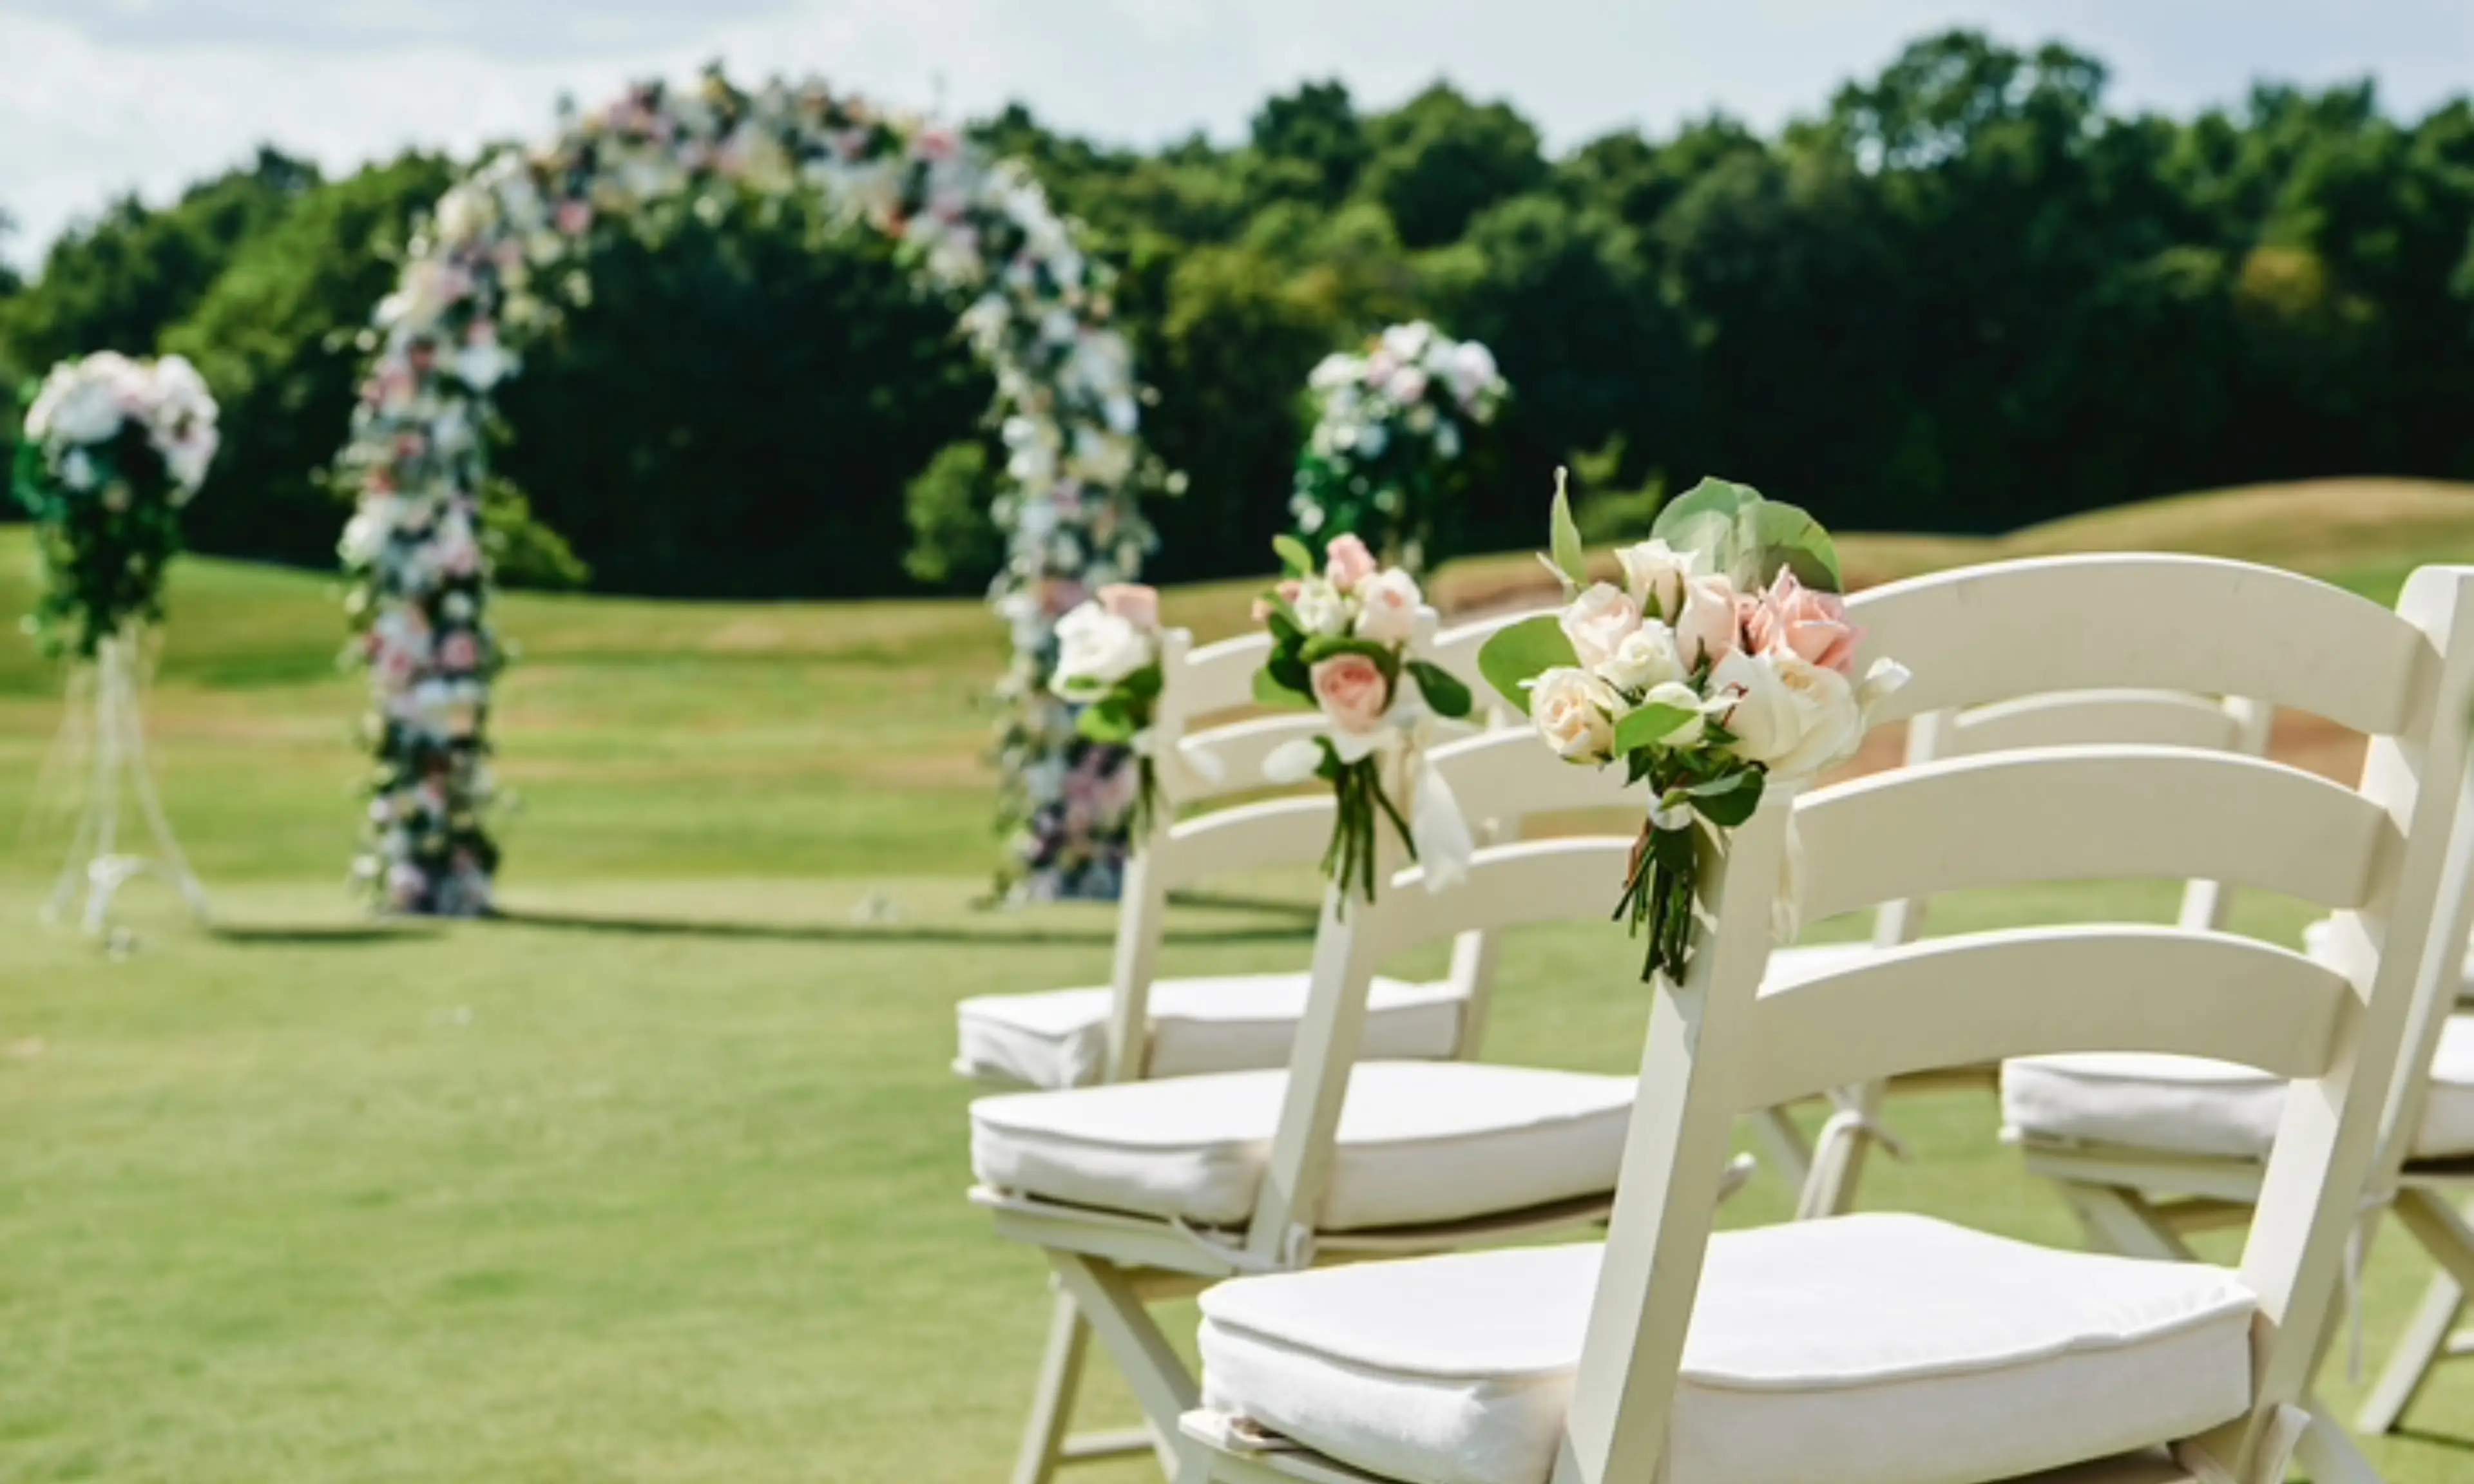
1440	159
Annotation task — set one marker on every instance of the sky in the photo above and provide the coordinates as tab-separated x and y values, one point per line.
108	96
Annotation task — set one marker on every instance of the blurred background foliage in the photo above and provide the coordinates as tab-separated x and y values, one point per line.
1963	295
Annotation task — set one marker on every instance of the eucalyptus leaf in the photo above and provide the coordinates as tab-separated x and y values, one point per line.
1443	691
1105	722
1294	556
1728	802
1650	724
1784	536
1523	651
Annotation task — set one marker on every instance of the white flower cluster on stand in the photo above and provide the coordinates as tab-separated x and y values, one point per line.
498	256
1391	421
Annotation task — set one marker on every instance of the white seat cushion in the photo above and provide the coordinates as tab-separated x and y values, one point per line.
1236	1023
1872	1349
2187	1105
1419	1142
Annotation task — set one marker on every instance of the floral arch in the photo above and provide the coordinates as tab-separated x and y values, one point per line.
501	254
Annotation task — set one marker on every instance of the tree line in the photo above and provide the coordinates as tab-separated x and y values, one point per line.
1964	295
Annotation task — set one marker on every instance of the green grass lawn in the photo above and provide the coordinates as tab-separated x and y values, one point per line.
660	1178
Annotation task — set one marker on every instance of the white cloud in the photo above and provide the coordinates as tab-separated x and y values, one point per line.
112	95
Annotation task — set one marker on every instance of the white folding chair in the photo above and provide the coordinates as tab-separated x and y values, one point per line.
1887	1348
1827	1170
1138	1025
1146	1189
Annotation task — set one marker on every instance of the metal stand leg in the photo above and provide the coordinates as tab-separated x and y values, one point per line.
107	712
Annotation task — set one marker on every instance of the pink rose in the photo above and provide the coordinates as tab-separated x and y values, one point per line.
459	653
1346	562
1791	618
1708	629
1132	602
1351	690
574	217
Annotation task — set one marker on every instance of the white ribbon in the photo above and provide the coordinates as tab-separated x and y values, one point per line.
1786	908
1437	828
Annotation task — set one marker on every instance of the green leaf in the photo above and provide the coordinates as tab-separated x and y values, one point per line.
1105	722
1728	802
1443	691
1271	689
1649	725
1294	556
1565	537
1144	684
1524	651
1785	536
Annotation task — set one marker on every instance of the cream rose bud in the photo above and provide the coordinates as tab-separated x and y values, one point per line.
1645	657
1386	606
1319	609
1574	712
1598	621
1655	573
1136	603
1790	716
1708	629
1095	649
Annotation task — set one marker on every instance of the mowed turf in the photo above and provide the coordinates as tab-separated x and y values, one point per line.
660	1178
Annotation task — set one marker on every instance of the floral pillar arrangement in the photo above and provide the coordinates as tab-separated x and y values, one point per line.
501	257
1340	642
112	449
1391	422
1722	665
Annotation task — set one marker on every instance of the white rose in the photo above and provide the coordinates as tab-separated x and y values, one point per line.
1675	693
1095	649
1655	573
1472	369
77	470
1387	609
75	408
1645	657
1790	716
1319	609
1336	369
1574	712
1598	621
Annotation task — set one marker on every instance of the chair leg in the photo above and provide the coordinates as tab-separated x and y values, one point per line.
1162	1386
1052	1405
2447	1236
2329	1454
1782	1143
2423	1345
1838	1159
2121	1221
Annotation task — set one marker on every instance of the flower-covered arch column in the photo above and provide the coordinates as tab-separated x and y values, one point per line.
497	261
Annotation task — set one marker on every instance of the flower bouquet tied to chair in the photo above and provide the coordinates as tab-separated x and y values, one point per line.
1341	644
1721	665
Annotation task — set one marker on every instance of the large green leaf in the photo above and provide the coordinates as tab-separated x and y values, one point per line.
1521	652
1294	556
1711	518
1749	538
